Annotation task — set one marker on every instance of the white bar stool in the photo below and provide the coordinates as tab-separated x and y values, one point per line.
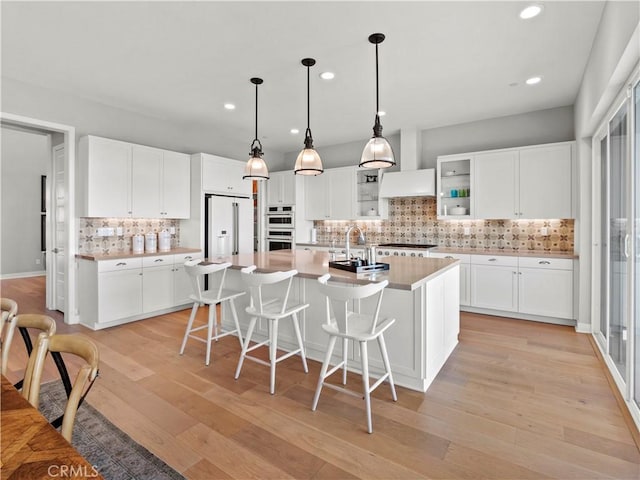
349	325
272	310
212	296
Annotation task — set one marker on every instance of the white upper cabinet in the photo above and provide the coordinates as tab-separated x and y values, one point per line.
120	179
330	196
281	188
496	185
146	180
104	178
545	182
369	204
513	183
224	176
176	178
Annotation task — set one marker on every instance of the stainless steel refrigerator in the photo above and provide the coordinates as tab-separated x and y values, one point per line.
228	226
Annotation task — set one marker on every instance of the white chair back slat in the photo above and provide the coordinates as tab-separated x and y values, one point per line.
339	298
197	270
255	282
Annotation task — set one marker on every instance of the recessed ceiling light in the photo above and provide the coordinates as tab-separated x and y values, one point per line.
531	11
294	131
327	75
229	106
533	80
381	113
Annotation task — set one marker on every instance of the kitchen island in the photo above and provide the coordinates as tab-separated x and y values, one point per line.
423	297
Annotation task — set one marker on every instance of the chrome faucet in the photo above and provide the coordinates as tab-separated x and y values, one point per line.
361	240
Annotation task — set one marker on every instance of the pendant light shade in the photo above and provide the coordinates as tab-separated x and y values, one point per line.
256	168
308	161
377	152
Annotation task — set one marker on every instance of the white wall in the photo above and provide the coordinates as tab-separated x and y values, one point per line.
615	51
89	117
25	157
532	128
342	155
543	126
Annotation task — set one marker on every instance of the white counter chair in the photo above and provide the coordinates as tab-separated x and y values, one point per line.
272	310
348	325
216	293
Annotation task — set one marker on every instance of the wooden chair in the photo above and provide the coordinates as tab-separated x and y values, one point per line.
88	372
212	296
349	325
272	310
9	309
42	323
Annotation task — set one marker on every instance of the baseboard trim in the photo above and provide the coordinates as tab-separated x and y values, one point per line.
622	404
9	276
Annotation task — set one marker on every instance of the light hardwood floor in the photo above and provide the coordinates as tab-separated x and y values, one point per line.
516	400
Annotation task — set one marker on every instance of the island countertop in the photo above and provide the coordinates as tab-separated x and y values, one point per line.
405	273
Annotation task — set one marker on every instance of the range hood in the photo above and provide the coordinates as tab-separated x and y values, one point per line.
409	181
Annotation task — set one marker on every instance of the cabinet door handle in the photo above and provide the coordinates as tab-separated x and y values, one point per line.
448	256
158	260
121	264
544	262
188	257
493	260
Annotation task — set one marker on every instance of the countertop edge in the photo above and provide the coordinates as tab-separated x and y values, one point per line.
116	256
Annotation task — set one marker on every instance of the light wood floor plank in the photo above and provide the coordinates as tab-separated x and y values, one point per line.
516	400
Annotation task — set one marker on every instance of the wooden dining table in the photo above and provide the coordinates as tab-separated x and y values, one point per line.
31	448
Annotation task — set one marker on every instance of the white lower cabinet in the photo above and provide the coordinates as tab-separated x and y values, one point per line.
545	287
494	282
182	287
465	273
119	294
157	283
118	291
530	286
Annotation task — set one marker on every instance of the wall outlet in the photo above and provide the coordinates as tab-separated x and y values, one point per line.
105	232
544	231
119	231
467	230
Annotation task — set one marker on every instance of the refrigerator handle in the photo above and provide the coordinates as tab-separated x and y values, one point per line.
236	228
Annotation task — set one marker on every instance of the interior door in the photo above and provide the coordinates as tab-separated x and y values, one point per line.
58	251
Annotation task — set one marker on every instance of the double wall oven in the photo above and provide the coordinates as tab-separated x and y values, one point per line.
280	228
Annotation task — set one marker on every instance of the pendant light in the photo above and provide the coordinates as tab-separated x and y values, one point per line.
308	161
377	152
256	168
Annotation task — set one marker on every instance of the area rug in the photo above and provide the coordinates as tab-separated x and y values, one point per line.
114	454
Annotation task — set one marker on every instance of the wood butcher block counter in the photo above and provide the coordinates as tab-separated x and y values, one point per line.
423	297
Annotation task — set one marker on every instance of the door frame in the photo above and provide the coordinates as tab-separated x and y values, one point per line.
69	132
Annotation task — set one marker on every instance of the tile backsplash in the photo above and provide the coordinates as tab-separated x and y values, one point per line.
90	243
414	220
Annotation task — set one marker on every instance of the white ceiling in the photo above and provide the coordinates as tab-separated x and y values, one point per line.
442	63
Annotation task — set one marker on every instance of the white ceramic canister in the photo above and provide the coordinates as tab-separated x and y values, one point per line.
137	243
150	242
164	241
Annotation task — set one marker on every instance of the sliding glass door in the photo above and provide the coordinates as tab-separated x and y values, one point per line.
618	238
616	253
635	368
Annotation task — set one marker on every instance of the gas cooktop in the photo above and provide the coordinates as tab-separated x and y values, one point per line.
407	245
